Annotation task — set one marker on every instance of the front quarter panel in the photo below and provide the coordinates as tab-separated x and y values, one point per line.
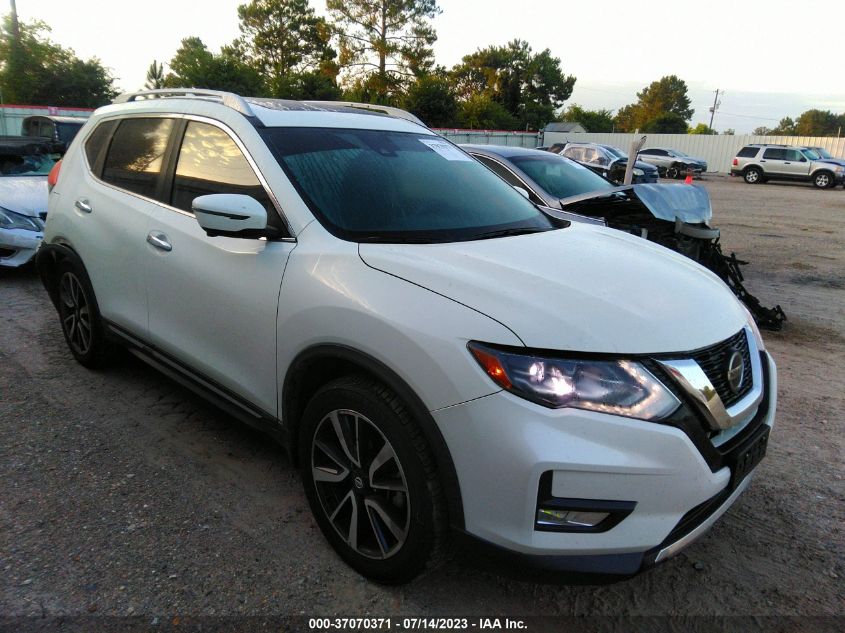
331	297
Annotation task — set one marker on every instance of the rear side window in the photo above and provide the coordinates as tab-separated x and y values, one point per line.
748	152
211	162
96	141
775	154
136	155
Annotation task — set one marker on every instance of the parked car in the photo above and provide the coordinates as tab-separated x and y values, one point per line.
759	163
24	166
672	163
59	129
433	349
608	161
672	215
827	157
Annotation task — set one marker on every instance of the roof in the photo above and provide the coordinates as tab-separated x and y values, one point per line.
505	151
564	126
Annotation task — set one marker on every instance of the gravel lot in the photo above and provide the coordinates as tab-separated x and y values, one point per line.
125	494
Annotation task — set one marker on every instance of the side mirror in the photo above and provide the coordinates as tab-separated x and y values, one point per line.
231	215
522	191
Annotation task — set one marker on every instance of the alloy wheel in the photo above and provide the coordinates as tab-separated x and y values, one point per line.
822	181
360	484
75	313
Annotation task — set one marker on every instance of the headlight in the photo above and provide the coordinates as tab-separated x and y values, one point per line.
838	168
12	220
618	387
638	172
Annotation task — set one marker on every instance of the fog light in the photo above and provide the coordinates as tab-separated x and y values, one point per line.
550	517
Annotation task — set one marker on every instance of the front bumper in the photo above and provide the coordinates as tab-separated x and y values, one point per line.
501	446
18	246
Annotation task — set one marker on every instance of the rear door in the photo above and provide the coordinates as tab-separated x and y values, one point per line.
213	300
774	161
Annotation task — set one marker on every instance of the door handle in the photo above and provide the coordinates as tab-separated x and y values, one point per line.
83	205
787	163
159	241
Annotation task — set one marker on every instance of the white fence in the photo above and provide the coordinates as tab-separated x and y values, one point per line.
717	150
492	137
11	116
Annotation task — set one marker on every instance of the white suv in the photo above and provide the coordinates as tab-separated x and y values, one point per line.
434	350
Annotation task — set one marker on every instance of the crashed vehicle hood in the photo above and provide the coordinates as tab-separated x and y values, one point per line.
687	203
581	288
26	195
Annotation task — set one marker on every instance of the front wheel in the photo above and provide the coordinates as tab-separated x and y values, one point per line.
753	175
823	180
370	480
672	172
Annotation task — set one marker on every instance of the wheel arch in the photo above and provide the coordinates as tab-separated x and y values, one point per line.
47	261
321	364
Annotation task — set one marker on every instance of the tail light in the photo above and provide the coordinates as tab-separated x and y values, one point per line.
53	178
736	162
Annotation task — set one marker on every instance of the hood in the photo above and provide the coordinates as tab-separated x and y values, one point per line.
687	203
639	164
26	195
832	161
582	288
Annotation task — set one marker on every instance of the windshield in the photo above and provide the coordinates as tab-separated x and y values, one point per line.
678	154
812	155
26	165
560	176
615	151
822	152
383	186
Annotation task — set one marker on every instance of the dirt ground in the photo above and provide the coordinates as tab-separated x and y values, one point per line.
125	494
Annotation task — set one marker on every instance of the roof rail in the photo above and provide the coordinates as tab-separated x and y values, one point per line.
229	99
396	113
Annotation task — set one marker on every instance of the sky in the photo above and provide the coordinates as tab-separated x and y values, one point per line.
772	58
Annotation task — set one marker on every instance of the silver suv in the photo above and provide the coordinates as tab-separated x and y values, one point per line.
759	163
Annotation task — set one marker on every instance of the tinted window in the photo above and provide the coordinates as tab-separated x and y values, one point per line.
136	155
95	141
384	186
562	178
748	152
775	154
211	162
500	170
793	154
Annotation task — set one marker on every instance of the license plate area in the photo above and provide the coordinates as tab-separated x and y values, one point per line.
748	456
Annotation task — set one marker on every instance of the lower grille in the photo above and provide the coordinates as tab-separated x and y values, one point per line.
714	360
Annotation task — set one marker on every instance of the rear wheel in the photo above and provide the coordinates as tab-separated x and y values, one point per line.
823	180
753	175
370	480
672	172
80	316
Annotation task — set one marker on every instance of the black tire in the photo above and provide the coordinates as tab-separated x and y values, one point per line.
673	172
753	175
79	316
824	180
398	534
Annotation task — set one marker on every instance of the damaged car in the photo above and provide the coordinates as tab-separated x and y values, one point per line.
676	216
25	164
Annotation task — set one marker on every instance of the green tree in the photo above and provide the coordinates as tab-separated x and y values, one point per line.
34	70
818	123
667	123
155	76
729	132
786	127
480	111
592	120
433	100
701	128
668	95
762	131
290	46
384	44
530	86
194	66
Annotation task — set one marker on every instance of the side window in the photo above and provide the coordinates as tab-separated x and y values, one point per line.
748	152
211	162
774	154
575	153
96	141
651	152
499	170
136	154
794	155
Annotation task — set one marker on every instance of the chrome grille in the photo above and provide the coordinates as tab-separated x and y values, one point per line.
713	361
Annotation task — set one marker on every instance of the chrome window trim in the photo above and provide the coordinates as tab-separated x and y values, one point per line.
200	119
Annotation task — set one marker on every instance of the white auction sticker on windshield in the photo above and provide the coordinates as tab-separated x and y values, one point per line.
446	150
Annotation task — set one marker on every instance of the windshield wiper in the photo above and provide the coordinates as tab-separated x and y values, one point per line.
508	232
